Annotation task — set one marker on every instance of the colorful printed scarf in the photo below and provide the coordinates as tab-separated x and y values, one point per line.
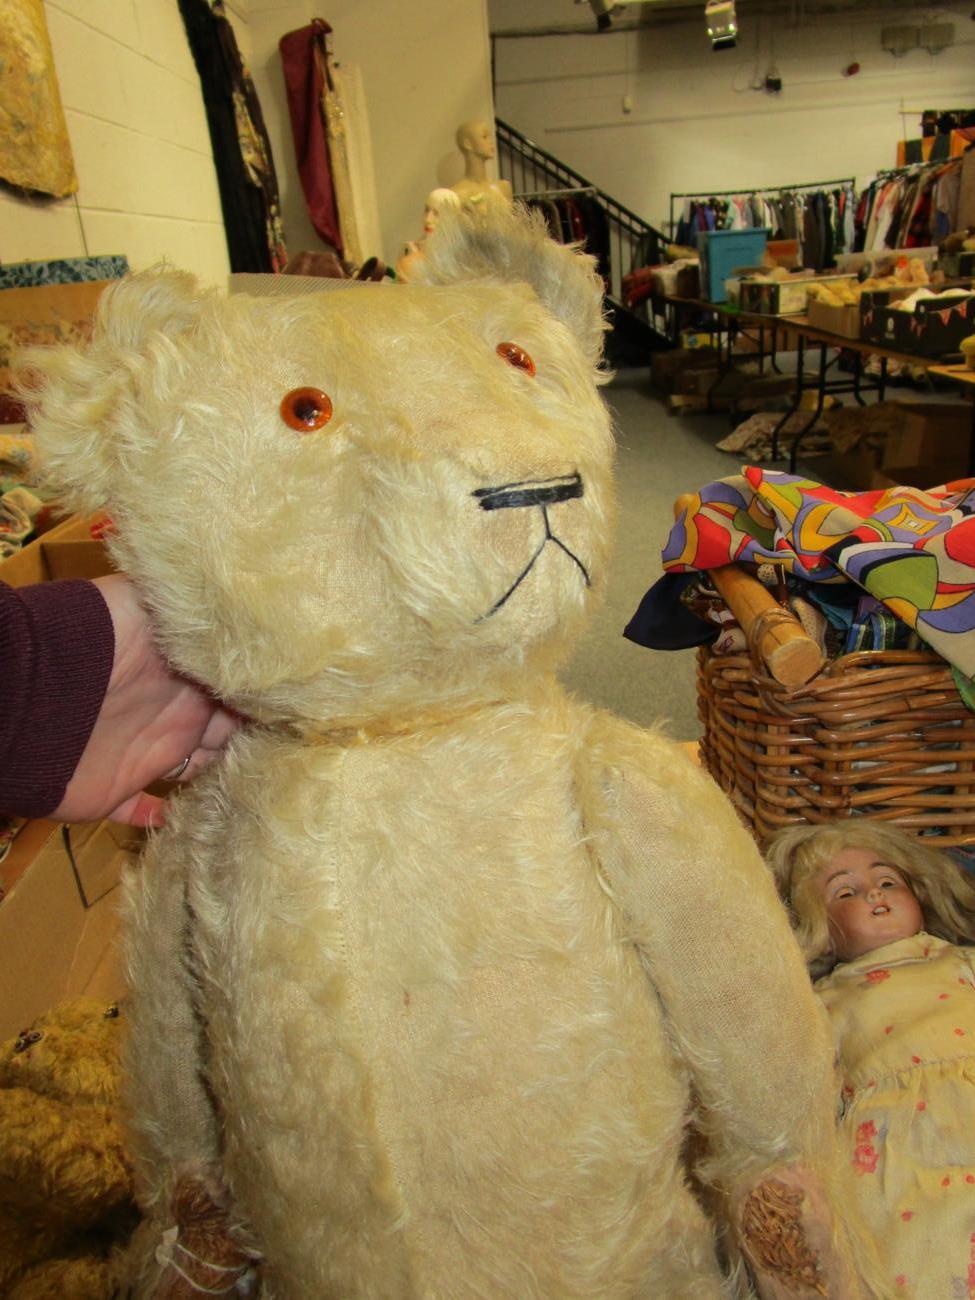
912	550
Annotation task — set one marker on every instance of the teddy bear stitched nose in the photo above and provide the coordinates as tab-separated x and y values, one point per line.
531	492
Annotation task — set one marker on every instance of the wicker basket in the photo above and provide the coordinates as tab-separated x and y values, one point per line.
880	734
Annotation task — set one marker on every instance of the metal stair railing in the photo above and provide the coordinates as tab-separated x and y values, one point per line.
531	170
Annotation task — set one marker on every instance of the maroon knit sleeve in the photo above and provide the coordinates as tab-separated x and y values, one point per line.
57	646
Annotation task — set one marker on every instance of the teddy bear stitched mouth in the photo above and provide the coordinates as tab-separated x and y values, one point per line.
540	493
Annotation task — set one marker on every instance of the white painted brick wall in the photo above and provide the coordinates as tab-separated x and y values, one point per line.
138	131
142	150
694	123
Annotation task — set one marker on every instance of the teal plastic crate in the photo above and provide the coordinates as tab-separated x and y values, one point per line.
723	251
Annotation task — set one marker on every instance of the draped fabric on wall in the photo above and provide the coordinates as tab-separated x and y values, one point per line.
241	148
359	212
304	62
37	154
333	146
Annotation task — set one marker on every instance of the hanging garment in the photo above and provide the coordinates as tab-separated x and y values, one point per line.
946	203
248	187
358	149
576	222
343	104
965	214
305	85
336	127
596	238
913	209
255	146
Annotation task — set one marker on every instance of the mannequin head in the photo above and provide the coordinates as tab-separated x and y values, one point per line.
436	202
476	138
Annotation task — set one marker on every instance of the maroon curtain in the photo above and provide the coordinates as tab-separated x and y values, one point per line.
305	60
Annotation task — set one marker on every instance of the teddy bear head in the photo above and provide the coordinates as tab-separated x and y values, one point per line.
70	1054
349	505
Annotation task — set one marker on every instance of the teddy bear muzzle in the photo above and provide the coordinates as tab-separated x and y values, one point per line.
538	493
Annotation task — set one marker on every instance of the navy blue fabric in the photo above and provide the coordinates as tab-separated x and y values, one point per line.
663	621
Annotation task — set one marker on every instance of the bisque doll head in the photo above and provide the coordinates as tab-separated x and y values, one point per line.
855	885
869	903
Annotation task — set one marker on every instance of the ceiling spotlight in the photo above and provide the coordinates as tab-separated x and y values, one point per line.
722	23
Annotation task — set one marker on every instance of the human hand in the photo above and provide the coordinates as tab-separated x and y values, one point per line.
150	721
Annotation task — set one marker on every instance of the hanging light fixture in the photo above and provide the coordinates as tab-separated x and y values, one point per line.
722	23
603	13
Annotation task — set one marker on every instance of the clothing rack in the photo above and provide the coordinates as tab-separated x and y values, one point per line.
914	167
918	215
763	189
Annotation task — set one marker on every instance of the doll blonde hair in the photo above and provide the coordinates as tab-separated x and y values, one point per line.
797	856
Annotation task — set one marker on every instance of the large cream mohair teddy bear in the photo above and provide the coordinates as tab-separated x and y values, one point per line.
431	974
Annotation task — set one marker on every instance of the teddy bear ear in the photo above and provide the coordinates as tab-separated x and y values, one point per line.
81	402
492	240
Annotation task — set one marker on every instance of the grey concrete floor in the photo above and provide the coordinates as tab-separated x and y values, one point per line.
660	456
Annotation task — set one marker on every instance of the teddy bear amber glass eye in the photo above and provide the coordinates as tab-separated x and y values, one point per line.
516	356
306	409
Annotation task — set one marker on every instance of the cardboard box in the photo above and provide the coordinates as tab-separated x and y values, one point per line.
668	367
935	436
844	321
56	923
926	443
853	470
67	550
935	328
871	298
960	264
676	281
784	252
916	476
783	297
694	340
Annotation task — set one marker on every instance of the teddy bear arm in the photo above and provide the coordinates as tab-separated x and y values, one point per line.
66	1161
697	900
175	1129
194	1237
700	905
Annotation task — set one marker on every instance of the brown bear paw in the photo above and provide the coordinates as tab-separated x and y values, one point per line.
204	1253
785	1229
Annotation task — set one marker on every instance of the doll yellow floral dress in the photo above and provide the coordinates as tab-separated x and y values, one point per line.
904	1022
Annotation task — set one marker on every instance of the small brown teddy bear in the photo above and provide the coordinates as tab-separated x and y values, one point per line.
65	1178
